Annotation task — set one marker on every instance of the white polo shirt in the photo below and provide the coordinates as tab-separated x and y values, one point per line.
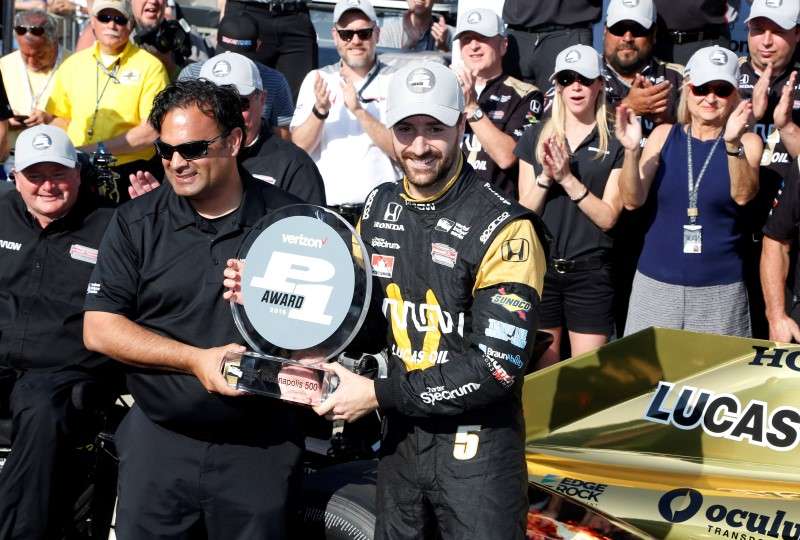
350	163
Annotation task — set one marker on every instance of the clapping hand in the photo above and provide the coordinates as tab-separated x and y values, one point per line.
761	93
628	128
739	121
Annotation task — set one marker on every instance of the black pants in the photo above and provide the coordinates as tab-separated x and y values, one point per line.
33	481
174	486
531	56
425	492
667	50
288	41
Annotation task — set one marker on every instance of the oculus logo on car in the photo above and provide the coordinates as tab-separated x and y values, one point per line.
682	504
724	416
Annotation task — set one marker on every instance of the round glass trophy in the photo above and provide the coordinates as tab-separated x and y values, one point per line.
305	290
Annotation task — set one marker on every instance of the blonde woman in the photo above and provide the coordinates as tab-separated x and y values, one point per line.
568	173
698	174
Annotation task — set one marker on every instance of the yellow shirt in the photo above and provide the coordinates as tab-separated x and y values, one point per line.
26	89
122	95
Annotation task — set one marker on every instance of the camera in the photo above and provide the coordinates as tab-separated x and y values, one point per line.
170	36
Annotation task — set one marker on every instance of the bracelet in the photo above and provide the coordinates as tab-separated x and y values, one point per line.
318	114
579	199
542	184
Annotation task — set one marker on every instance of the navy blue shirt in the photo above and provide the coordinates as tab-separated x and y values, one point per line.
721	218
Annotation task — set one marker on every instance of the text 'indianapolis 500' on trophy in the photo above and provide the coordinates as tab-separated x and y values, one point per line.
305	293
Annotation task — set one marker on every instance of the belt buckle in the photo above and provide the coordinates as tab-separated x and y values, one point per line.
562	266
677	36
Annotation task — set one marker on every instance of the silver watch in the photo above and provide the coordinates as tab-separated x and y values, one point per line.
476	115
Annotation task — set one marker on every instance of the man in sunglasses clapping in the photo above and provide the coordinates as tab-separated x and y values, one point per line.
341	110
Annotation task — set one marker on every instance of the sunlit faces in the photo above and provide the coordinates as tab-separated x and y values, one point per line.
357	53
769	42
148	13
427	149
578	97
627	46
38	52
111	35
48	189
481	53
711	102
202	178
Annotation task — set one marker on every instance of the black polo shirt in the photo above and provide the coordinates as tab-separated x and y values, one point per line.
531	13
784	222
690	15
285	165
43	278
775	160
512	106
161	266
574	234
655	71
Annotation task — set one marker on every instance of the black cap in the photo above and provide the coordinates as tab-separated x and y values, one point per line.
239	34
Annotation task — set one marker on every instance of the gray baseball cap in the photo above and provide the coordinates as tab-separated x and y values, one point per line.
44	144
581	59
427	88
234	69
364	6
639	11
784	13
481	21
713	63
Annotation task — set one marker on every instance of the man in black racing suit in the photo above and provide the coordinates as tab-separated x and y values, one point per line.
461	270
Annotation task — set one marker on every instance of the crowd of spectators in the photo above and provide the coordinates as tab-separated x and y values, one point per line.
663	167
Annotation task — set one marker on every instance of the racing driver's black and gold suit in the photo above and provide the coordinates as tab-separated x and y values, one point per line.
461	274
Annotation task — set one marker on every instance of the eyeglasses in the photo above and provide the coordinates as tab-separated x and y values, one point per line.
106	18
719	88
363	34
621	28
34	30
566	78
188	150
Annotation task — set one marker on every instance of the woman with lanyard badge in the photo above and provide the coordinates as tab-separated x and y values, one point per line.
698	173
568	173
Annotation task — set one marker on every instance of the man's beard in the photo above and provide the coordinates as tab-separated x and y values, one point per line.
440	172
630	67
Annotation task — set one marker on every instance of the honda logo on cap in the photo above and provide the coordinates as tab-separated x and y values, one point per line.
420	80
572	57
221	68
718	57
392	212
474	17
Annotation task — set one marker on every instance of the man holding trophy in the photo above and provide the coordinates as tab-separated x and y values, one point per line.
460	269
194	452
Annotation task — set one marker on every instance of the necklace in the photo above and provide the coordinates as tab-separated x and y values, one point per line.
110	75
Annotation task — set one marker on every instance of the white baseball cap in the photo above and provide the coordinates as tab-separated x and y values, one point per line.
713	63
481	21
234	69
581	59
44	144
428	88
784	13
123	6
364	6
639	11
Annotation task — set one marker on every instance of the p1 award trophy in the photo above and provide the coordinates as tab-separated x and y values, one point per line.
305	292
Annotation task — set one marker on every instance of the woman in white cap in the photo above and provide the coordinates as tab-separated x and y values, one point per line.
568	173
697	175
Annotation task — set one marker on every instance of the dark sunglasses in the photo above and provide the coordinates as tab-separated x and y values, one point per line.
363	34
566	78
188	150
34	30
719	88
636	29
106	18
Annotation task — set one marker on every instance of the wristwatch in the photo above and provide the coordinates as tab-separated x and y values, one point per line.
738	153
476	115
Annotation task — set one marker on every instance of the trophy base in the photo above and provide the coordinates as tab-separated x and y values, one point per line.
287	380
